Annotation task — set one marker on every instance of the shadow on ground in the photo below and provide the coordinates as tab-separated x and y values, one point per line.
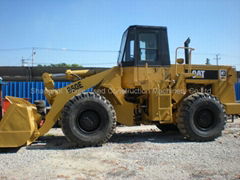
60	142
9	150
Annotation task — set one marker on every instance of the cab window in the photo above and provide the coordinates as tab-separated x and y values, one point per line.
148	46
129	49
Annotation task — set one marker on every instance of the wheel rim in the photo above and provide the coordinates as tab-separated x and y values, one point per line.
88	121
204	119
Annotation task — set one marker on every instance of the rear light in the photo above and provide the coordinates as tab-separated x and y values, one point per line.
6	104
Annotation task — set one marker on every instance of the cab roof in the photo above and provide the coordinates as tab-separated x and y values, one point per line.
147	27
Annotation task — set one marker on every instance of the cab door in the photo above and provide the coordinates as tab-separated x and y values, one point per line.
128	59
153	53
147	45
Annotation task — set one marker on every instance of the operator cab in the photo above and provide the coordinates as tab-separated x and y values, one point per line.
143	45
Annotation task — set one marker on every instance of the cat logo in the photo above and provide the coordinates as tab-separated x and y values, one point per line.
198	73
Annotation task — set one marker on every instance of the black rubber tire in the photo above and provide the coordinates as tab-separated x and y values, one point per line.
88	119
201	117
167	127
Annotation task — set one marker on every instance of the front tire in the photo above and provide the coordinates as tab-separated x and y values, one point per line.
201	117
88	119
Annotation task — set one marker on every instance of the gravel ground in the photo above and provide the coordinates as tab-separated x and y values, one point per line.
132	153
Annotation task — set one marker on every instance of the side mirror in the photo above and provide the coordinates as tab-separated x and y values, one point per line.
180	60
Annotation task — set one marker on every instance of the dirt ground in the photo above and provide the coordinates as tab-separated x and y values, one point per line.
132	153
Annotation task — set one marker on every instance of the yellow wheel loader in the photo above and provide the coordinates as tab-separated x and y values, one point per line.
143	89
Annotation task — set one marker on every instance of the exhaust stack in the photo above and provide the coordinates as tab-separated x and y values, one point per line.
186	51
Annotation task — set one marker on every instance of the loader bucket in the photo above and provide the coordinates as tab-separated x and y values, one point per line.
19	124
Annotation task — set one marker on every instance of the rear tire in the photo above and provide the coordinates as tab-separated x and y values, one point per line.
201	117
88	119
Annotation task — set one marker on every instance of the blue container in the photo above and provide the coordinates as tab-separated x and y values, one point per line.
35	90
30	90
237	90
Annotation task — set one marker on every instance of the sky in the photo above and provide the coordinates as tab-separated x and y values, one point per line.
89	32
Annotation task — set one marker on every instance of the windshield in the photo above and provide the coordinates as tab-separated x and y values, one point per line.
121	51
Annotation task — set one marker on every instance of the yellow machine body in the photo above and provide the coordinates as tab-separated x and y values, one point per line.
19	125
162	89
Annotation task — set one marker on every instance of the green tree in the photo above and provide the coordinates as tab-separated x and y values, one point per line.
60	65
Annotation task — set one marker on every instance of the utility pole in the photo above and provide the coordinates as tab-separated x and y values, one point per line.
217	58
23	62
33	53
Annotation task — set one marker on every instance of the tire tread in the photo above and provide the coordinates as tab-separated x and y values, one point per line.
66	113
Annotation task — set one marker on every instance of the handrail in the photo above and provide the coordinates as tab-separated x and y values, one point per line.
190	58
